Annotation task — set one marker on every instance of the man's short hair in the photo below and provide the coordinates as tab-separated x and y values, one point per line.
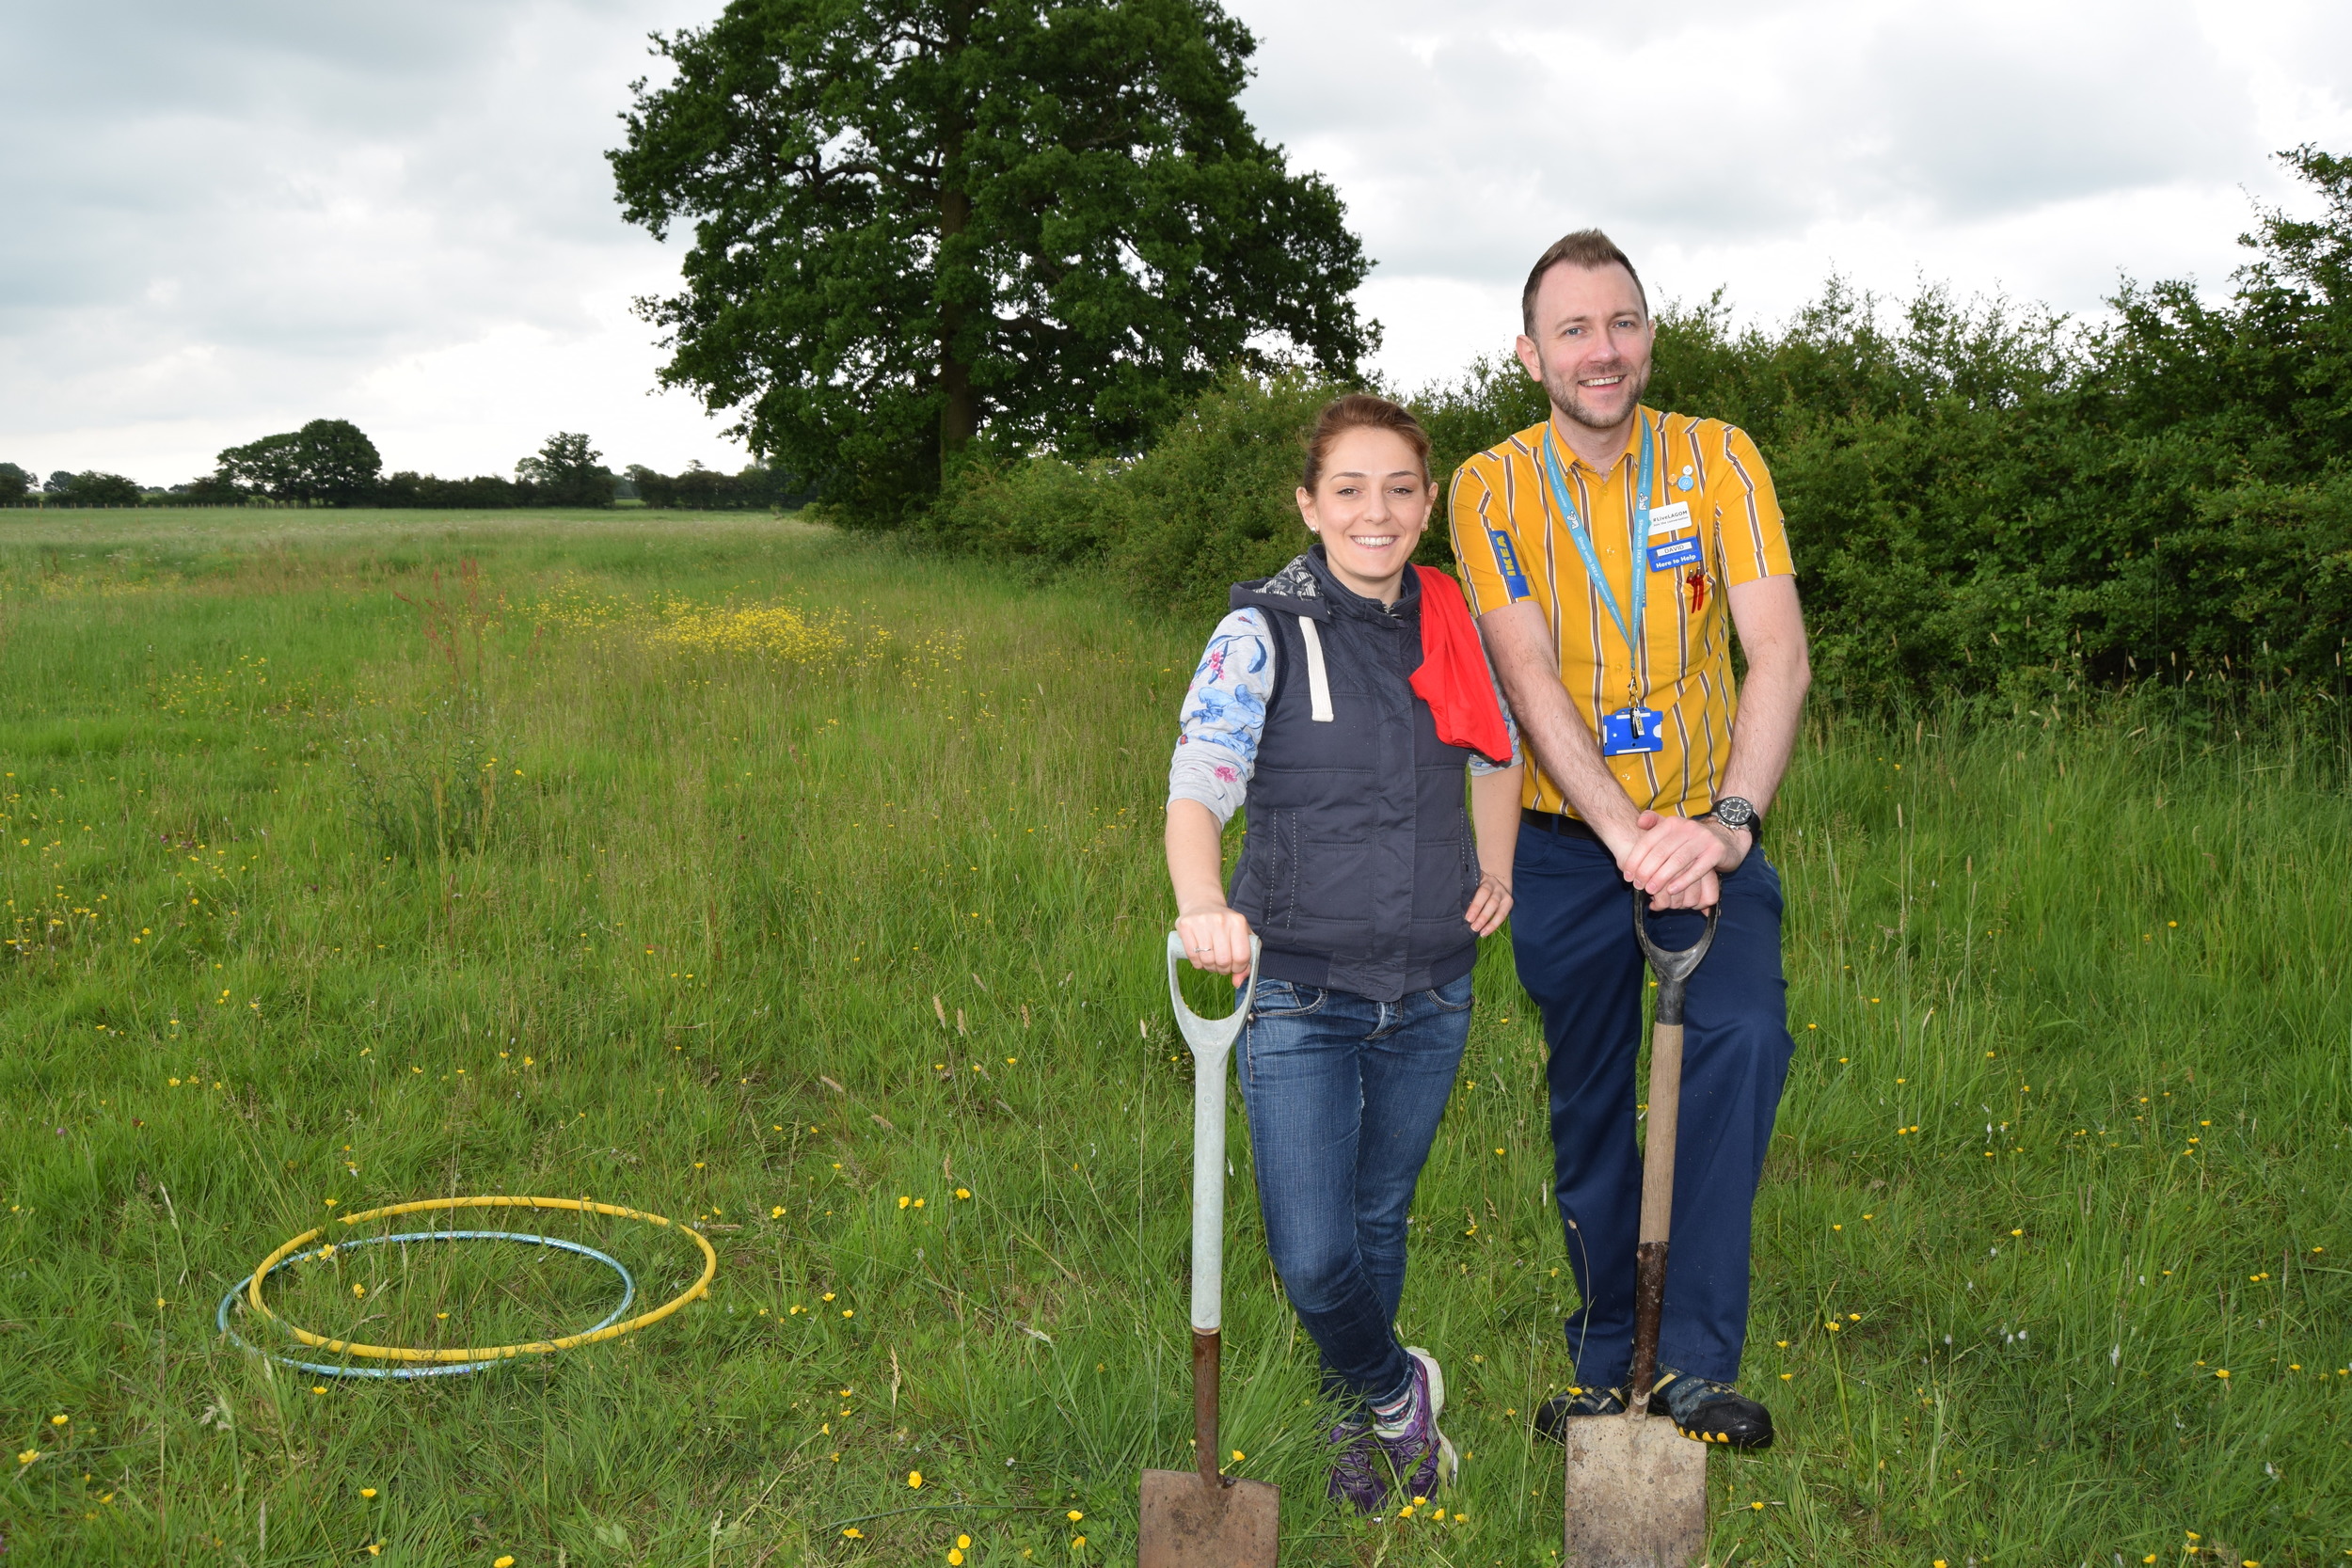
1586	248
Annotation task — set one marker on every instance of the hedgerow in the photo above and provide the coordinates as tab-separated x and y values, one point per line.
1983	499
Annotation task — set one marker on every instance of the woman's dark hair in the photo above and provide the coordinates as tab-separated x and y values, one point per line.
1360	411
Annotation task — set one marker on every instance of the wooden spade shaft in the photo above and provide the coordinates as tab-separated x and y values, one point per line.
1658	1199
1205	1351
1674	969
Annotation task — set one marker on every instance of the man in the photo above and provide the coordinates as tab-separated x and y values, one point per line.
1604	551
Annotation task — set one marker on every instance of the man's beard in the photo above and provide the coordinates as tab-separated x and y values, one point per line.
1567	397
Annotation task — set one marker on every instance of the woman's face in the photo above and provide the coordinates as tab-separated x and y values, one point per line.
1369	509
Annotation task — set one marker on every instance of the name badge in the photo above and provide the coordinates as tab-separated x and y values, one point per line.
1632	729
1674	554
1670	518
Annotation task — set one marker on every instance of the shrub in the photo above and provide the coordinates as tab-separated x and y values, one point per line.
1212	503
1041	515
410	488
1209	505
700	489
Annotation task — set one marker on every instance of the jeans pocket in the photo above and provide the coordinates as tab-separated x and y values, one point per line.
1281	999
1454	996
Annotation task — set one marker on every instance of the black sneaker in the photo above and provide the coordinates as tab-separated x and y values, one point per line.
1712	1412
1553	1416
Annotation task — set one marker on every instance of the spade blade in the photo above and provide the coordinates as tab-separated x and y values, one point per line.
1190	1524
1636	1493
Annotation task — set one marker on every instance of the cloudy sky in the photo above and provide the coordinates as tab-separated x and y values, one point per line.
224	217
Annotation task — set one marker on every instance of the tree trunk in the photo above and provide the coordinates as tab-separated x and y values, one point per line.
959	406
960	411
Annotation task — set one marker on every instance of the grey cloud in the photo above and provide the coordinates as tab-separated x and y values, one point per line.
1464	139
230	215
253	205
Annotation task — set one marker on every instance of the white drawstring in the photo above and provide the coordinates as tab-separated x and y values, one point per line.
1318	683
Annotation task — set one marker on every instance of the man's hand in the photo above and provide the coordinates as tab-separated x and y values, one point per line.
1217	938
1680	860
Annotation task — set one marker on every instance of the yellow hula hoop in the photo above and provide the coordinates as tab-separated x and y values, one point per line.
489	1353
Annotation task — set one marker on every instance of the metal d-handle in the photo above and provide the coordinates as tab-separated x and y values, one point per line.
1212	1042
1673	968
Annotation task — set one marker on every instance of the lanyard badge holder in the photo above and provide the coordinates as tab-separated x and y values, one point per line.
1633	728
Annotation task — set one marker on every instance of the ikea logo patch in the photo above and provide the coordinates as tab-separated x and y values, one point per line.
1507	561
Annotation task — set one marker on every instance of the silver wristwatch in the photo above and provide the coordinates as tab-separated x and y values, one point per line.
1735	813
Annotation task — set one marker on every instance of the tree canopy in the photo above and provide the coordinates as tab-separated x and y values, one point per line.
918	218
565	472
14	482
90	488
328	461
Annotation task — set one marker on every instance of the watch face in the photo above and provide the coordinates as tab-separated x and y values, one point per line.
1732	812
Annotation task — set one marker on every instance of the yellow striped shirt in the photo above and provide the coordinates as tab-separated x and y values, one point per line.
1512	545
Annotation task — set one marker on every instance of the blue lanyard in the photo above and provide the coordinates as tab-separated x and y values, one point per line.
1561	499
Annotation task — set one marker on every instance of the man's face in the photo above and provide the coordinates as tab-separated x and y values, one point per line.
1592	344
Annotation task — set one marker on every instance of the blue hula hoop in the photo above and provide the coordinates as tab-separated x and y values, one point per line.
220	1318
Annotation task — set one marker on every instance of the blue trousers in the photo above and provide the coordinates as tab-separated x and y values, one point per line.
1572	935
1345	1094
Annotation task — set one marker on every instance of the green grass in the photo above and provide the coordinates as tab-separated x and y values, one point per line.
781	942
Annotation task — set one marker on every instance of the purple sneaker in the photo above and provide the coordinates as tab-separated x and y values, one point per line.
1421	1456
1360	1475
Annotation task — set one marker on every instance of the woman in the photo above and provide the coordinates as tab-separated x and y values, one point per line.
1339	704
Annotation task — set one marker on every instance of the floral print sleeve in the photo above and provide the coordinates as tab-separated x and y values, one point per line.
1223	716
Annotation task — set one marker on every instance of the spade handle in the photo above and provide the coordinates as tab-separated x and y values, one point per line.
1212	1044
1674	969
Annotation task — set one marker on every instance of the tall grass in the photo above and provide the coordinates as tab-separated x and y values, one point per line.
816	885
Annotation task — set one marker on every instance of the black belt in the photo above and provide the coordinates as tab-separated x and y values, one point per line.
1552	822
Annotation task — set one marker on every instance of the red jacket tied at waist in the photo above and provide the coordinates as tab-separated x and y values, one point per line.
1453	678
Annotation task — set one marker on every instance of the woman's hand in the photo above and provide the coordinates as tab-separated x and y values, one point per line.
1490	906
1217	938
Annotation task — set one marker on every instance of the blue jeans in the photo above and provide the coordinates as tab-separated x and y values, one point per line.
1572	934
1343	1095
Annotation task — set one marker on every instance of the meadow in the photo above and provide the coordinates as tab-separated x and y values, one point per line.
807	889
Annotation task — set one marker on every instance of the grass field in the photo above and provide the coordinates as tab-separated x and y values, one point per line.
809	892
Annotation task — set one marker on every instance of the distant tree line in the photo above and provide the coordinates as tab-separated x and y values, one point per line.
333	463
62	488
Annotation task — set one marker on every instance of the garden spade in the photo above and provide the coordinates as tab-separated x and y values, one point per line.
1202	1518
1636	1486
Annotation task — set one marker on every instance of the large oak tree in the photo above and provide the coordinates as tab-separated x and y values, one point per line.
915	219
328	462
